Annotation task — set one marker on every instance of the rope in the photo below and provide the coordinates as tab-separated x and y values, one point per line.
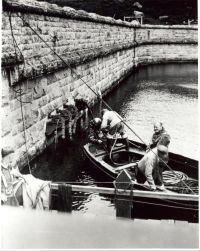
170	179
169	206
184	207
24	131
38	193
173	182
77	75
111	150
20	92
139	147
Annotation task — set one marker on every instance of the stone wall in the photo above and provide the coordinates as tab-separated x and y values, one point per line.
99	49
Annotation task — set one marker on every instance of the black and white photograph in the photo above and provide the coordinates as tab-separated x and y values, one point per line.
99	125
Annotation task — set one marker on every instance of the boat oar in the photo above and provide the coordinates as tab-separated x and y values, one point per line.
147	187
134	182
132	165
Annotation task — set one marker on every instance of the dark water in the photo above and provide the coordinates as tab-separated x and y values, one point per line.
167	93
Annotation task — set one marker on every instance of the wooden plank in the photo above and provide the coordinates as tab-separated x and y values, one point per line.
122	203
103	152
125	166
136	193
123	180
65	197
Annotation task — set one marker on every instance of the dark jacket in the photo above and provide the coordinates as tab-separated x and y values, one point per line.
162	138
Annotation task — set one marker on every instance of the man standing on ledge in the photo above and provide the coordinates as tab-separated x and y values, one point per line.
149	168
113	126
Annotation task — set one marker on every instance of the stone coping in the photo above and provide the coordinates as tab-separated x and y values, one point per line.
44	8
71	58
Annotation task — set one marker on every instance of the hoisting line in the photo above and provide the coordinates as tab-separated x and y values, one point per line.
68	65
20	94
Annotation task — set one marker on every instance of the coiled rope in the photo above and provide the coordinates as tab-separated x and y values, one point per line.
170	179
115	141
174	182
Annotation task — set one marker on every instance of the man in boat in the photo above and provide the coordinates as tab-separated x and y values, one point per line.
160	136
149	168
95	134
113	127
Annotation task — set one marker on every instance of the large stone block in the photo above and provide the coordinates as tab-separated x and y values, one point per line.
16	129
18	140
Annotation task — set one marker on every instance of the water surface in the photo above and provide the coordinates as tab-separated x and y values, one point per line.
166	93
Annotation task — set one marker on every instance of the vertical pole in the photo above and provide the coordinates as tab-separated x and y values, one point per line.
141	20
63	127
134	50
50	199
81	120
86	118
123	207
74	125
70	128
65	198
123	204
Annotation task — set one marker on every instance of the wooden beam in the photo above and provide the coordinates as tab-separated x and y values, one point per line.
125	166
114	150
122	204
136	193
65	197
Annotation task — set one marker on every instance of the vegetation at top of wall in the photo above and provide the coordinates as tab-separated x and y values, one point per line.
155	11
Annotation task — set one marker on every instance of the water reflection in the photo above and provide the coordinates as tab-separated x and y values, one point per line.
168	93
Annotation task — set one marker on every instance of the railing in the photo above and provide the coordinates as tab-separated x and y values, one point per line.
125	195
129	18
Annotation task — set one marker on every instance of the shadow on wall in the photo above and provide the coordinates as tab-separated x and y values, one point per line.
155	11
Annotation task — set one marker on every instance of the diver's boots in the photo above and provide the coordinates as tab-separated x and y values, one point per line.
109	145
126	143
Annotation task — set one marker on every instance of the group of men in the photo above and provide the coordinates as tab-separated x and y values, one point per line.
149	168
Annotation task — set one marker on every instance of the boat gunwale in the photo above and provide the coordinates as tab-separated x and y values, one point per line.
103	168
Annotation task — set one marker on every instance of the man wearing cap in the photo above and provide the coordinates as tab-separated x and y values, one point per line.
160	136
95	131
149	167
112	124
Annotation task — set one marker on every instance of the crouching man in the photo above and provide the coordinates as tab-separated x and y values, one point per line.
95	135
149	168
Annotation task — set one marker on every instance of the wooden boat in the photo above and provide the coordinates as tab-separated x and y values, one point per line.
100	158
121	161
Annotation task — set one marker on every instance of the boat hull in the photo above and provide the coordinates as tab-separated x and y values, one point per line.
110	174
177	162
